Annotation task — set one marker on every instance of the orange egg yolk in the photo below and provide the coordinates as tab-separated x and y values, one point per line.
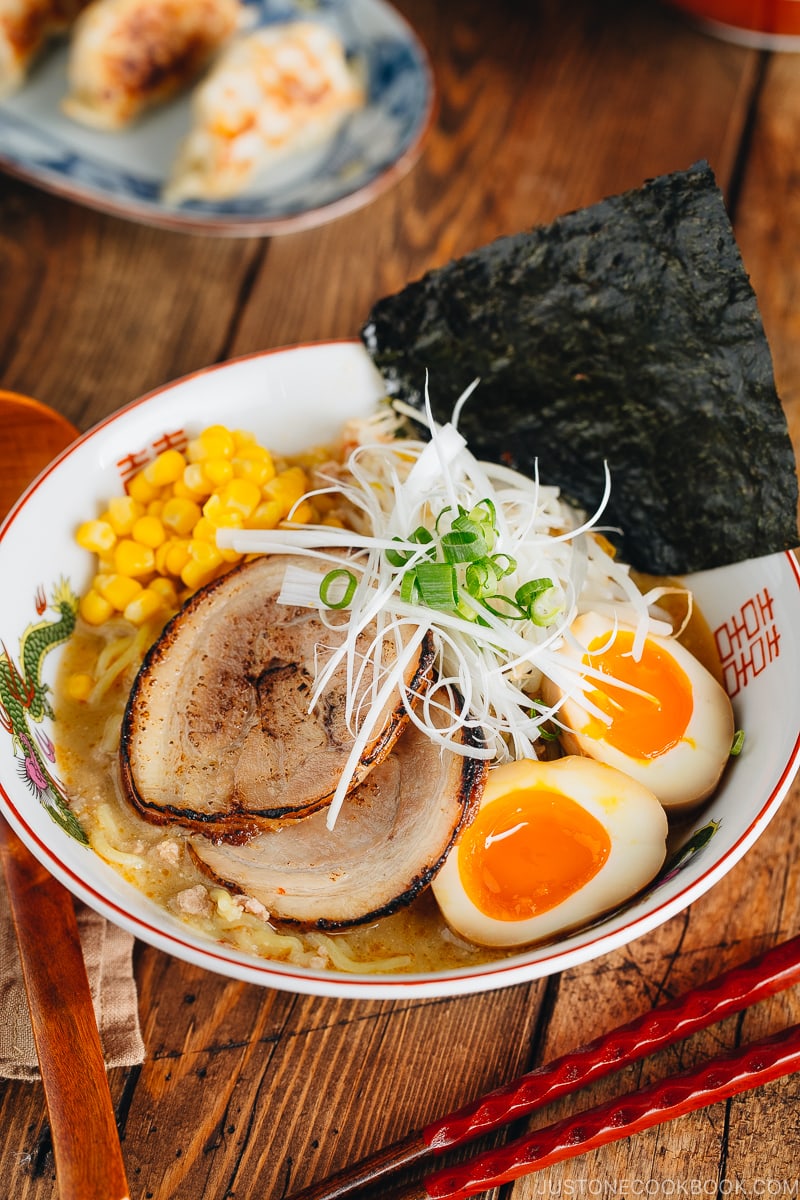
527	851
642	726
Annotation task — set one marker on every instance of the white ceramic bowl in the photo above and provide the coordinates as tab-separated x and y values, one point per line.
291	398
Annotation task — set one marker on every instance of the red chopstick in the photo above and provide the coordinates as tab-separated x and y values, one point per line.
771	972
726	1075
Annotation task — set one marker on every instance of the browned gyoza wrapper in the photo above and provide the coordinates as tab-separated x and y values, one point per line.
627	333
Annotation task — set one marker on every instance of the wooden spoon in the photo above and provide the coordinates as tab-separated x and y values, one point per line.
86	1147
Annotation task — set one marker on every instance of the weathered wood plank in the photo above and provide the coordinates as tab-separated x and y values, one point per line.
767	220
97	311
230	1065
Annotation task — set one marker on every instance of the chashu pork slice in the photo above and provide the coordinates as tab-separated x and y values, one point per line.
390	838
217	733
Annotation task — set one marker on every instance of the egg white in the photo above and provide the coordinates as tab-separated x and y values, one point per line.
681	776
632	817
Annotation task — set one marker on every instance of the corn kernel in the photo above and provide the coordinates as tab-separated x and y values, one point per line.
287	488
122	512
166	589
94	608
195	481
154	508
265	516
214	442
204	563
180	489
312	458
204	553
119	590
177	556
131	558
147	604
218	442
180	515
161	553
139	489
334	522
220	515
255	470
205	530
195	576
303	514
149	531
218	471
243	439
214	509
230	520
165	469
252	450
96	536
241	496
79	686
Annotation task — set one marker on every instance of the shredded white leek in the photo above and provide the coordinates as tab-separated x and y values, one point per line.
488	668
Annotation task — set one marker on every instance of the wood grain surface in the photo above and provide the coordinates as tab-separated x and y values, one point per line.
543	106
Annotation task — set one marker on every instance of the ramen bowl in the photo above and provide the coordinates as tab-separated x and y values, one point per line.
292	398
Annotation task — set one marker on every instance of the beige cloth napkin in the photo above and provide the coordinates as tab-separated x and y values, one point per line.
107	952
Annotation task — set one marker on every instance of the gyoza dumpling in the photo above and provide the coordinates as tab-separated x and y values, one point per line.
25	26
280	89
127	55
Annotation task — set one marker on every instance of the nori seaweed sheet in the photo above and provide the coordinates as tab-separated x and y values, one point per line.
625	332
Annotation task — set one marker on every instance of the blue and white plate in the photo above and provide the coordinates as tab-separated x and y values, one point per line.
123	172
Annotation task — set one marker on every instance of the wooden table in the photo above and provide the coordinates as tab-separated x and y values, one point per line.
544	107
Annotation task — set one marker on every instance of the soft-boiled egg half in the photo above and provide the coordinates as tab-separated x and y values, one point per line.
670	726
552	846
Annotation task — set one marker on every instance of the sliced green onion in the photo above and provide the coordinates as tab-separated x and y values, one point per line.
437	584
546	731
464	545
546	607
479	577
507	567
421	535
485	513
448	508
504	606
528	592
398	558
466	523
467	612
738	743
330	581
409	588
547	734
